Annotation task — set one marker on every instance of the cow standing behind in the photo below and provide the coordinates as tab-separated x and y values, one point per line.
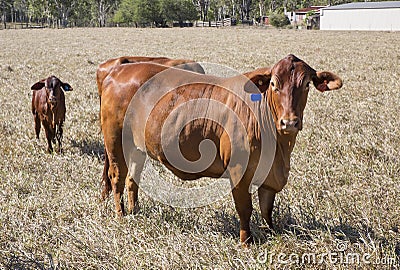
284	90
48	109
107	67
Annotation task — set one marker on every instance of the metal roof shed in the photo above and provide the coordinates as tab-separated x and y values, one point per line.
370	16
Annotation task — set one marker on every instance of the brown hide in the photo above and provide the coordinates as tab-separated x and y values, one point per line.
284	89
129	62
48	109
105	68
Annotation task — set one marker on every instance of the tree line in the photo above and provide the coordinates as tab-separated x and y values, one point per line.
158	13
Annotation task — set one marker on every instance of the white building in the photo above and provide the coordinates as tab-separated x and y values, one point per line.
373	16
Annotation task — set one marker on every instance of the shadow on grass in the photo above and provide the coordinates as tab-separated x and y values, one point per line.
228	224
90	148
27	261
303	227
306	225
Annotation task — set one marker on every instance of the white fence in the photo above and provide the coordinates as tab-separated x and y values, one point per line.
224	22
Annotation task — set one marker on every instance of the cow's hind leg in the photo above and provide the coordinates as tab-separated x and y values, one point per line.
117	173
136	163
266	198
37	125
106	179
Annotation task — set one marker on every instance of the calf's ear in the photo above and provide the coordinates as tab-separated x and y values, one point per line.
39	85
66	87
325	81
260	81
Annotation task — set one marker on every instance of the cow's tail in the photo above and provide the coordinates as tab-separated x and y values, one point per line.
106	179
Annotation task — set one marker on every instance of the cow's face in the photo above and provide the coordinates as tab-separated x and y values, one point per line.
287	94
53	90
53	87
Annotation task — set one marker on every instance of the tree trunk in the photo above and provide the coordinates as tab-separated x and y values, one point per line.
261	7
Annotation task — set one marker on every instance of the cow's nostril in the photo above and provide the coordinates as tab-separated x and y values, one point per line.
289	123
296	123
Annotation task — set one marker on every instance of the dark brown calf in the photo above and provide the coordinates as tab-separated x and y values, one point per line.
48	109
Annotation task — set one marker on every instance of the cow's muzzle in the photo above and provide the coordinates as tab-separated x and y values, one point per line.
289	126
52	100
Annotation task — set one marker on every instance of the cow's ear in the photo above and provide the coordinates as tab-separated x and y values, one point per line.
66	87
325	81
261	81
39	85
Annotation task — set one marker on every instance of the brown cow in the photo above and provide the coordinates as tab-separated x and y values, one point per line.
105	68
48	109
284	90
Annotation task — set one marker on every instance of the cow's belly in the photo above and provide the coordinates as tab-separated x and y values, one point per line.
191	156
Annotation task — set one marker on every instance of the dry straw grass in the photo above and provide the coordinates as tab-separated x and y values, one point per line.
343	192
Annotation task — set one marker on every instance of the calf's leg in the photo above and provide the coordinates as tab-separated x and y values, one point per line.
49	136
59	135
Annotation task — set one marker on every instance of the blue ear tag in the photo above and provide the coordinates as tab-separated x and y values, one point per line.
255	97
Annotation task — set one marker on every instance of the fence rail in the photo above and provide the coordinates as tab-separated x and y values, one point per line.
224	22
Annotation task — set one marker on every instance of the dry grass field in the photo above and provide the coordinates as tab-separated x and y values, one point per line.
339	210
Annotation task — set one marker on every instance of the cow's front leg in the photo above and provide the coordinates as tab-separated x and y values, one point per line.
244	207
266	197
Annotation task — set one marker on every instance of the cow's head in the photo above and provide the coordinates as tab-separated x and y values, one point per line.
53	87
289	82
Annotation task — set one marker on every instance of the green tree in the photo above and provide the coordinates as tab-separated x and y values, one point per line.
5	6
103	9
179	10
148	12
125	12
83	15
279	20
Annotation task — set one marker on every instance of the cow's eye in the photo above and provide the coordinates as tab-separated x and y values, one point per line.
273	86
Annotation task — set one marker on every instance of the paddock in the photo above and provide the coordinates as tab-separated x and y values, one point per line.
343	192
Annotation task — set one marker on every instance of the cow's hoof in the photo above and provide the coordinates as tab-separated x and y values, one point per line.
246	239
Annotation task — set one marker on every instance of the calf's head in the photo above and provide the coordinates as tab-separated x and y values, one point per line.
289	82
53	87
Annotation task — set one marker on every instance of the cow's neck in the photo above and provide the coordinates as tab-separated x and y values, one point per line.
279	172
284	148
